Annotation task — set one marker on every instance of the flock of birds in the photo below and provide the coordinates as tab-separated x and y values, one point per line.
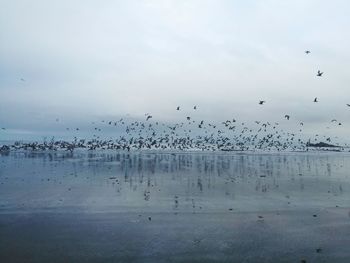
189	134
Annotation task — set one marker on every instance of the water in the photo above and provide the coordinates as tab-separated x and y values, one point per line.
109	206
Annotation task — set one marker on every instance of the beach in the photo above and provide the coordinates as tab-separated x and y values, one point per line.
174	207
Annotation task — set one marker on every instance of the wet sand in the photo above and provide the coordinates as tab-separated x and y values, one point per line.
188	237
142	207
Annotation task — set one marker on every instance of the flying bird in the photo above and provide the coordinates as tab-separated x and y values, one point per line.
287	116
315	100
178	108
195	107
261	102
319	73
307	51
348	104
148	117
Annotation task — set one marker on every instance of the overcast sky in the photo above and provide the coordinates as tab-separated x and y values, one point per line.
84	60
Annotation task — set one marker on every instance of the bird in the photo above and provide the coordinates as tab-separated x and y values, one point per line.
315	100
348	104
319	73
195	107
22	79
307	52
261	102
148	117
287	116
178	108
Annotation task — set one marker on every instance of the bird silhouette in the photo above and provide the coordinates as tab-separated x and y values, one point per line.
315	100
319	73
287	116
307	51
261	102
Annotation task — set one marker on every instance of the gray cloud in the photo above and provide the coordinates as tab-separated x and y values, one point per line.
91	59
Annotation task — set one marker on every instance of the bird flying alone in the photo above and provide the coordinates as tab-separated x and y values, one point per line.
261	102
319	73
307	52
315	100
287	116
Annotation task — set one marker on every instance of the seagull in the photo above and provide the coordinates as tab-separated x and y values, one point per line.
307	52
178	108
148	117
195	107
334	120
315	100
287	116
261	102
319	73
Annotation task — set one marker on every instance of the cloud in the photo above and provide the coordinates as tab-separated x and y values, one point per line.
87	58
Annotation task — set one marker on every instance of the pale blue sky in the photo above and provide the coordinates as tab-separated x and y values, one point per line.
84	60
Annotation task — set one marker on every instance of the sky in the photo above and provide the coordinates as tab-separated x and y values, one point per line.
81	61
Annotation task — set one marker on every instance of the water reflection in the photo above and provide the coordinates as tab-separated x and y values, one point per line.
173	182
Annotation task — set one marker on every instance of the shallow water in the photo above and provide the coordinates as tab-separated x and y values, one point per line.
174	207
